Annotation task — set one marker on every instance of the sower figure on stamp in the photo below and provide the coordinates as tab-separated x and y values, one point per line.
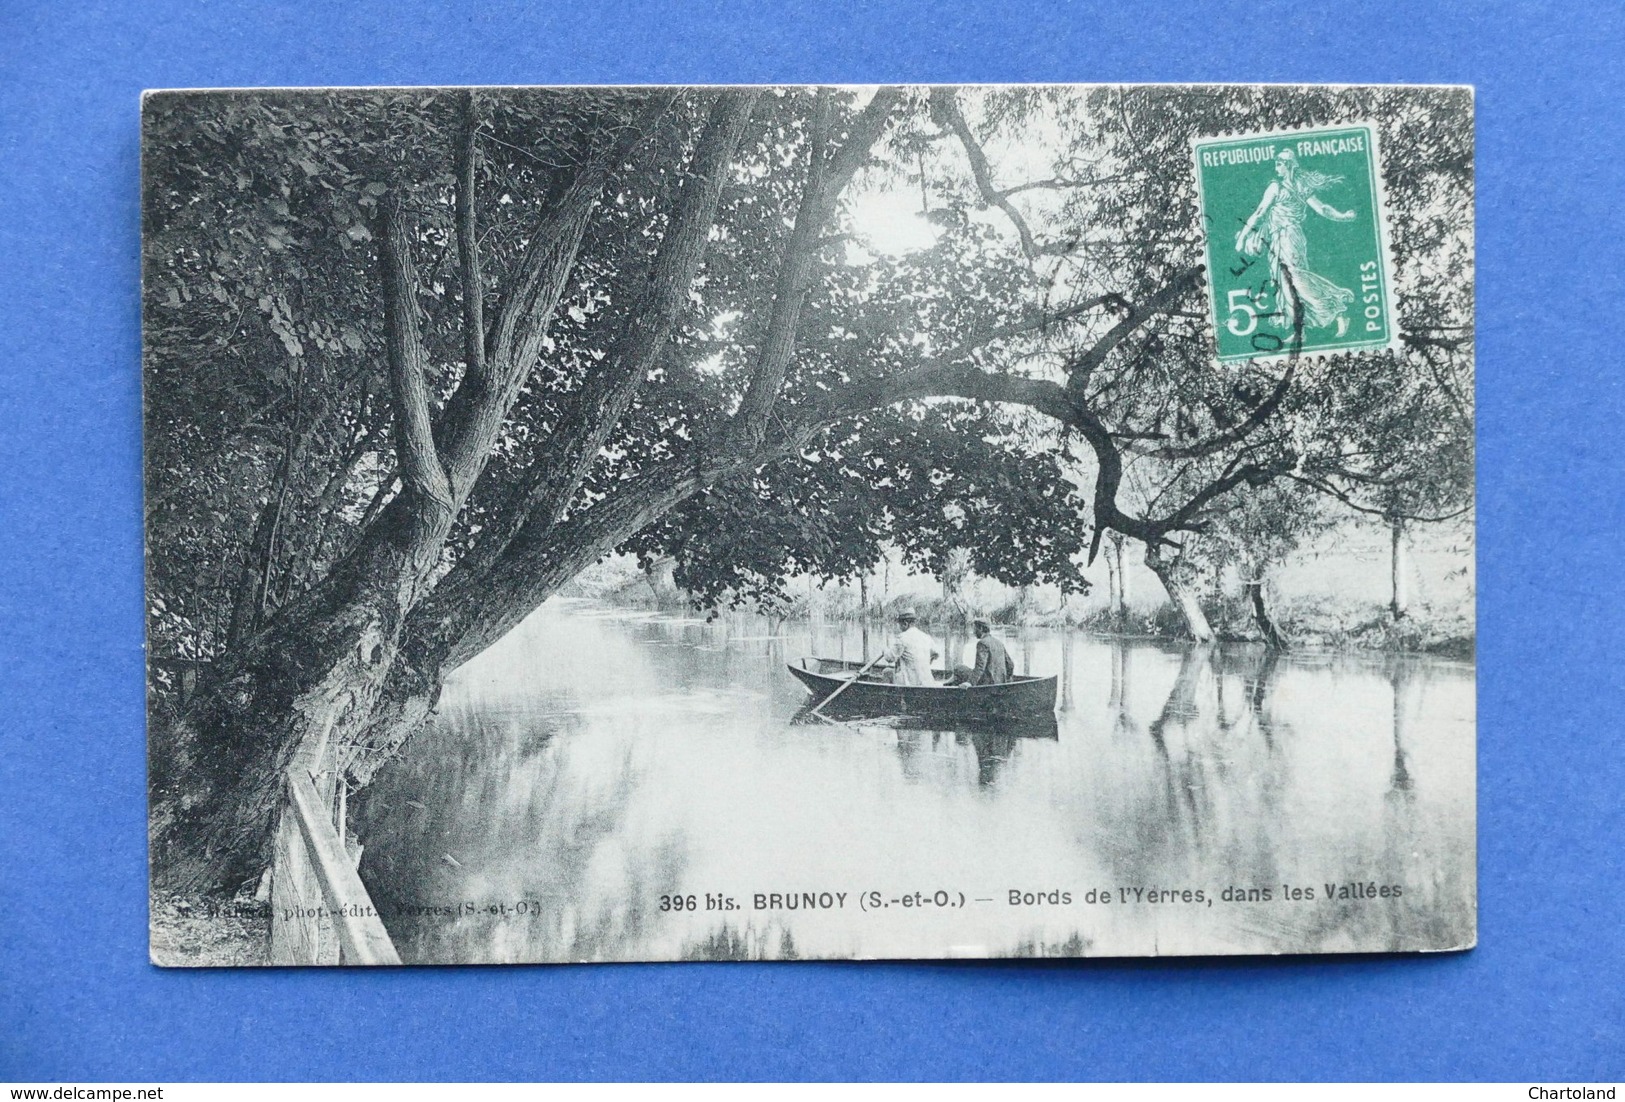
1282	211
911	654
994	666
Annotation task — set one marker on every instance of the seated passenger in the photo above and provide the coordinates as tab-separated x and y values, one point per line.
994	666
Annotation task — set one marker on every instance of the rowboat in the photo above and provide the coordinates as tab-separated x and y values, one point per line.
1021	701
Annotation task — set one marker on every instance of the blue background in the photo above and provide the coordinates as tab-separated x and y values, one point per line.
1542	997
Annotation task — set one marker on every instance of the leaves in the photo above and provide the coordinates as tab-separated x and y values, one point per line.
259	267
932	482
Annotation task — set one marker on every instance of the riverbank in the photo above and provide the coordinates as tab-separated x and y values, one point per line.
1321	624
1331	597
1310	625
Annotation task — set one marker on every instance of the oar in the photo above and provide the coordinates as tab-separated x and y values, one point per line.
845	685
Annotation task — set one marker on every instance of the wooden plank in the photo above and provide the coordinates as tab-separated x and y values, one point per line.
299	936
361	933
288	941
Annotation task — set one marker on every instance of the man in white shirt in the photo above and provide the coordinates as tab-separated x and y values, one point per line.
912	653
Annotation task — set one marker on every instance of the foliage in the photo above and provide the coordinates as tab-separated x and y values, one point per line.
928	481
264	334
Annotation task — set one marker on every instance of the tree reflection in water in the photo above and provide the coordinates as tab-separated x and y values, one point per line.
602	761
486	786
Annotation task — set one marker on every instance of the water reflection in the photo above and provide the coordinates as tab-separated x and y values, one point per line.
597	764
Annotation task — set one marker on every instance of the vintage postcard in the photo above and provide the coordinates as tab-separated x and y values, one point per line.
627	524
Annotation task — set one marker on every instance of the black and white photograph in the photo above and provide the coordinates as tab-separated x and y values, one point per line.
591	524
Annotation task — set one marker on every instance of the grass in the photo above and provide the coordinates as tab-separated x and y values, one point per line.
209	933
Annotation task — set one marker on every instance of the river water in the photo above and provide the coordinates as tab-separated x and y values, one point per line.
597	770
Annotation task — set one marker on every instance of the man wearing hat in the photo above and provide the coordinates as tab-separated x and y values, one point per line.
912	653
994	666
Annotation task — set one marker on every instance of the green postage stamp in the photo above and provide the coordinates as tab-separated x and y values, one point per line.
1296	246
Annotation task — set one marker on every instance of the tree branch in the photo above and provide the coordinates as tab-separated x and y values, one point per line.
476	410
1236	433
468	248
1081	368
945	111
604	399
1418	340
1066	404
866	129
1059	183
592	413
1324	487
939	379
1038	323
1263	412
1252	474
825	182
414	436
542	556
1445	385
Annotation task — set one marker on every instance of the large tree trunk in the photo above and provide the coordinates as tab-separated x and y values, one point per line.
313	674
1181	593
443	634
488	593
565	458
337	666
